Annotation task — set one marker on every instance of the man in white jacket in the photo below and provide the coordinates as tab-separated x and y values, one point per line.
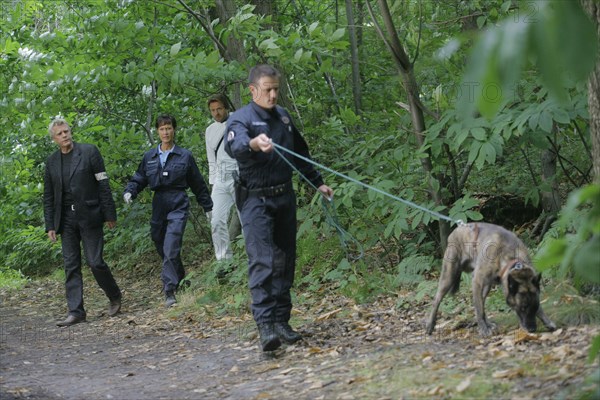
220	175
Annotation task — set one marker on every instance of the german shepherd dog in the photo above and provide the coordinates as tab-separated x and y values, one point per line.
495	256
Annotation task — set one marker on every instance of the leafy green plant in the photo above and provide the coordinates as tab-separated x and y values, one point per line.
413	268
28	250
576	249
10	278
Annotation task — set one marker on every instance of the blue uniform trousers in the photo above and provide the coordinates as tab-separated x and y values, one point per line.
169	217
72	236
269	225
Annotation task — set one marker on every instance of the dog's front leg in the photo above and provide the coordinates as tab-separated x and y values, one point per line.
479	293
544	318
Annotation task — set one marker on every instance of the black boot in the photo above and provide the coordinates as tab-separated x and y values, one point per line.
269	340
286	333
170	299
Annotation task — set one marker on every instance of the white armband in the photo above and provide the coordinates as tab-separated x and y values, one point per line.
100	176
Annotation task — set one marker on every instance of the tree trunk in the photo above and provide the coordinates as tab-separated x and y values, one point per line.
360	21
551	198
356	83
265	7
593	9
234	48
406	70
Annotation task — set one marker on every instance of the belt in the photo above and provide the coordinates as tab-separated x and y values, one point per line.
272	191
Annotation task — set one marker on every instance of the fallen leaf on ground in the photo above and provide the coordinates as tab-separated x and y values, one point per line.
522	336
509	373
328	315
464	385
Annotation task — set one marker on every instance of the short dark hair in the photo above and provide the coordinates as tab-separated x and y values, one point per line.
166	119
261	70
220	98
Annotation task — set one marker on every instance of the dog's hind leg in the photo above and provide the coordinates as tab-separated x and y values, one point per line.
450	273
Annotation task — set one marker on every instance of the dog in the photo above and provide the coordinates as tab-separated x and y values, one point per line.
495	256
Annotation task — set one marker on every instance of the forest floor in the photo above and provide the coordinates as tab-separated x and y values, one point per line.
349	351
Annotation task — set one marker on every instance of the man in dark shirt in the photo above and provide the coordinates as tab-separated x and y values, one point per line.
169	170
268	203
77	200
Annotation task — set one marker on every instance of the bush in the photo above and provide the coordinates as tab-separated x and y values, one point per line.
28	250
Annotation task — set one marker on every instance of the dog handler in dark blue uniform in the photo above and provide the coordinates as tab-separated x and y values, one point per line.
266	199
169	170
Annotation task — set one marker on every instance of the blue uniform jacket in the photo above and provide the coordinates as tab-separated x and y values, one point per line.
258	169
179	173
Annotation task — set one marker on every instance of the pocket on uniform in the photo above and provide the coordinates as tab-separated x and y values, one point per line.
151	171
151	168
177	170
91	203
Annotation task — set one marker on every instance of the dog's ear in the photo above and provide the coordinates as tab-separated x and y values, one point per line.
513	285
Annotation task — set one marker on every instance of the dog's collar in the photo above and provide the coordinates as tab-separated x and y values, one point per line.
512	264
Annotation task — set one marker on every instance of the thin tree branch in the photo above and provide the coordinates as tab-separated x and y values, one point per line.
465	175
531	172
454	171
216	41
108	111
397	50
420	31
562	166
585	145
291	93
422	106
398	57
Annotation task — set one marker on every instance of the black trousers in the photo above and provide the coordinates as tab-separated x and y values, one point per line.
269	225
93	245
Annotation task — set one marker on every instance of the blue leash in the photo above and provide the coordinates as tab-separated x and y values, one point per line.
348	242
329	205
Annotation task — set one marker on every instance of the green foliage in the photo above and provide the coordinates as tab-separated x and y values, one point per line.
10	278
29	251
130	241
413	268
557	35
576	247
594	349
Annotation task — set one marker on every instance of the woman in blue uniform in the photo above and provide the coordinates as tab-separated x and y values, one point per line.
169	170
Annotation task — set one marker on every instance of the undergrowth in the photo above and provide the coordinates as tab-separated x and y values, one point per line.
10	278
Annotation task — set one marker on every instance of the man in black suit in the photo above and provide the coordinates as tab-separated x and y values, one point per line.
77	201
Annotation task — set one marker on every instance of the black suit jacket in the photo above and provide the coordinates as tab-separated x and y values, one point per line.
89	186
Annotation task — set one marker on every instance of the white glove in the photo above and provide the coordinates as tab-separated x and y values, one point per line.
127	198
209	215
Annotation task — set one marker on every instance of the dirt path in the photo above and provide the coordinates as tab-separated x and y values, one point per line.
349	352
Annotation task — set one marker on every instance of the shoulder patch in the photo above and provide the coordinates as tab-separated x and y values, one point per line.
230	136
100	176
